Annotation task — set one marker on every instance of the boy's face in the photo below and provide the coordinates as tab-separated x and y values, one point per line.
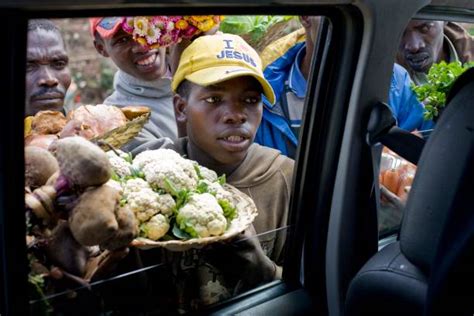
222	119
131	57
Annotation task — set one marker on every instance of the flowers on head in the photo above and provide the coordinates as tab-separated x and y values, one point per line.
163	31
204	22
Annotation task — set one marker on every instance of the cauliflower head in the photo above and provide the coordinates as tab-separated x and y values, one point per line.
207	174
135	185
166	163
144	202
218	191
145	157
157	173
166	203
120	166
223	197
156	227
116	185
202	216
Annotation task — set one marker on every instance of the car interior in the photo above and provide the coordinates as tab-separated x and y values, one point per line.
412	262
346	251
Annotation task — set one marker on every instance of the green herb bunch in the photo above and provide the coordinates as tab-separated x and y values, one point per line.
440	78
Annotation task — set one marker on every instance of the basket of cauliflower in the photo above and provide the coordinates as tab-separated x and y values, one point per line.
178	204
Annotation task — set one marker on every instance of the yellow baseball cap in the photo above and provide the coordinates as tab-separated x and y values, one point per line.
215	58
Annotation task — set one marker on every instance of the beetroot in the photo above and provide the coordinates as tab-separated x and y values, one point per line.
82	163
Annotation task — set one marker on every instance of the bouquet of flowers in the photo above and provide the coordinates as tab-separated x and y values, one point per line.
163	31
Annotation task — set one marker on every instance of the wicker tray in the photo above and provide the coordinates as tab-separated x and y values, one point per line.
122	135
246	213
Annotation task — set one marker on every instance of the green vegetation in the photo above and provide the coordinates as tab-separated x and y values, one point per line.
254	25
440	79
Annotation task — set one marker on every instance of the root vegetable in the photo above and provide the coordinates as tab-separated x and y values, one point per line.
42	141
40	165
128	230
77	128
82	163
41	202
48	122
65	252
54	177
92	220
101	118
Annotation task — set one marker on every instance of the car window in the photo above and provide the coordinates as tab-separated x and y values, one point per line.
69	274
433	54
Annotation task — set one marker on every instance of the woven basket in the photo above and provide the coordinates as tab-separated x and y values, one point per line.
122	135
246	213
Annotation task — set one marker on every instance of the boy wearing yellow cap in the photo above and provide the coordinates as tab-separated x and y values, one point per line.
219	85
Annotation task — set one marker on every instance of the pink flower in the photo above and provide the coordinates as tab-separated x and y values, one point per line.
190	31
162	31
127	25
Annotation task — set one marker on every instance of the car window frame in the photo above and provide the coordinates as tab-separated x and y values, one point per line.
431	12
14	290
316	157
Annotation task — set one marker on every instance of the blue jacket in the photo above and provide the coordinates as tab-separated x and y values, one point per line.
284	74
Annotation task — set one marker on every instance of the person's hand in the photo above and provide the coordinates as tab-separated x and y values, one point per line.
105	263
391	199
243	258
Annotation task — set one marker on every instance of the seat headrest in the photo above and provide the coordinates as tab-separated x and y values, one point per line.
441	174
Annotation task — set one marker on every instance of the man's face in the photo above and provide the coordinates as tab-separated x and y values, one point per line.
47	72
222	119
132	58
421	44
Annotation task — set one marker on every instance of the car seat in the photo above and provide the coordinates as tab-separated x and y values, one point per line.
425	269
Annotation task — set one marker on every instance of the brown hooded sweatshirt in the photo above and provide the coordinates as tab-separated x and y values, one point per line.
192	279
265	175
